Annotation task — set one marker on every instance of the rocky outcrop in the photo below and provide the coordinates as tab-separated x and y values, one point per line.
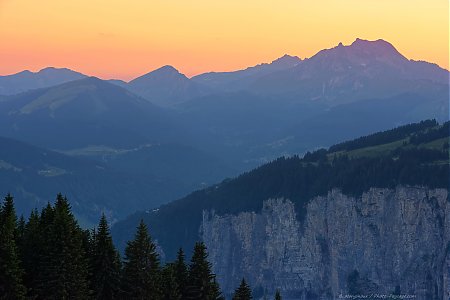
383	241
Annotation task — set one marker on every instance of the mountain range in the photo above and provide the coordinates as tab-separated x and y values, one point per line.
342	73
171	130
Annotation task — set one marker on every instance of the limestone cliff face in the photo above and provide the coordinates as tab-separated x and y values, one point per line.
394	238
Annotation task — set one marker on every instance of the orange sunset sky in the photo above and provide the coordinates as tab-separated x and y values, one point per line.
124	39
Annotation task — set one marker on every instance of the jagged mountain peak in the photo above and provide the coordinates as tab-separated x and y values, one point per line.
287	60
377	54
164	72
167	68
165	86
380	50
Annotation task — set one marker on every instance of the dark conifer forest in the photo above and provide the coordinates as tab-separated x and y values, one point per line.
49	256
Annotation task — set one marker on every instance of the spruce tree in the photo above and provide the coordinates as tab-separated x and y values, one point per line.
43	279
202	283
181	272
105	260
277	295
141	267
243	292
72	264
63	260
11	286
31	253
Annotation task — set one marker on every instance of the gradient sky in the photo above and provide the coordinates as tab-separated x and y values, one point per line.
124	39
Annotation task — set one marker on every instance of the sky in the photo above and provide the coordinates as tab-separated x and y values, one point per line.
124	39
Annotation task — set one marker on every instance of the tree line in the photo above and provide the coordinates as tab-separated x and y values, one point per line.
387	136
50	256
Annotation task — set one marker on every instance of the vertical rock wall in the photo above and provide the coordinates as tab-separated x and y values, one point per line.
396	239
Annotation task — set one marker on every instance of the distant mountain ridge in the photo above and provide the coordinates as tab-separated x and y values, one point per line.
165	86
26	80
235	80
84	112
